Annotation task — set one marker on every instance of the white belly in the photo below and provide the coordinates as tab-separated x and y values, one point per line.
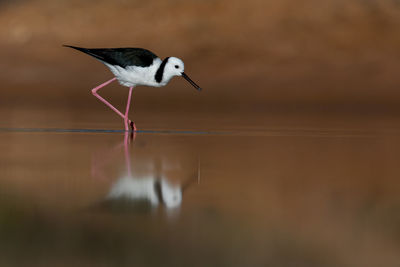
133	76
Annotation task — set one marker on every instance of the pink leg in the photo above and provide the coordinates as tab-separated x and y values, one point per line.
126	121
94	92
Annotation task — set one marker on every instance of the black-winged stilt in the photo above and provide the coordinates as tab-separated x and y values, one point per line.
132	67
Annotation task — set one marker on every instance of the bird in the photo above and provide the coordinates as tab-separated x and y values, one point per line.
132	67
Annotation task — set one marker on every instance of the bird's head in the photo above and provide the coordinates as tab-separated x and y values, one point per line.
172	194
175	67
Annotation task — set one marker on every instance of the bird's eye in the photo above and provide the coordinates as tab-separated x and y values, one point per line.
176	67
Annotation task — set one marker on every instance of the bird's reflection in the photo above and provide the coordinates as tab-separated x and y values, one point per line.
130	193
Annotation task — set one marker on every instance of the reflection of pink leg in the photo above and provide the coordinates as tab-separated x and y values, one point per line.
102	159
127	155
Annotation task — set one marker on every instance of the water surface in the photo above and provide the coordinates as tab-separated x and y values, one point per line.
228	198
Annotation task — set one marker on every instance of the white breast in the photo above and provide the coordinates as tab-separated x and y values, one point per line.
133	75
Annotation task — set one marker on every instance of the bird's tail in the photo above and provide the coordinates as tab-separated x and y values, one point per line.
86	51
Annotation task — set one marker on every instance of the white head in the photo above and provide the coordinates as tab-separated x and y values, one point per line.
175	67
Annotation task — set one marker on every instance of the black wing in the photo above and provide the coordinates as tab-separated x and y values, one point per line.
120	56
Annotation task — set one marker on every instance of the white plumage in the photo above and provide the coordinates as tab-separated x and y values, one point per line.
136	75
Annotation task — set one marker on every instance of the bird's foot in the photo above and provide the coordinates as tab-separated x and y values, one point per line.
133	130
133	126
130	126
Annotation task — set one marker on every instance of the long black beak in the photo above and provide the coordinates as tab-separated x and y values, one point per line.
190	181
191	82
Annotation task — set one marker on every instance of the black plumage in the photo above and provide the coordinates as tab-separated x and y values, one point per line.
122	57
160	71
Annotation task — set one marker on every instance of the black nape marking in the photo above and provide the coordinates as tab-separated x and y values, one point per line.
160	71
158	190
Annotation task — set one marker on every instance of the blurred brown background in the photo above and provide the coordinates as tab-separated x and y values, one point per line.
309	190
253	58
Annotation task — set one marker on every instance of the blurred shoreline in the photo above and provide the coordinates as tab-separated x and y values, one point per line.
257	57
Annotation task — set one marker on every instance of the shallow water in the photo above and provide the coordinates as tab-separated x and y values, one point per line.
278	198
